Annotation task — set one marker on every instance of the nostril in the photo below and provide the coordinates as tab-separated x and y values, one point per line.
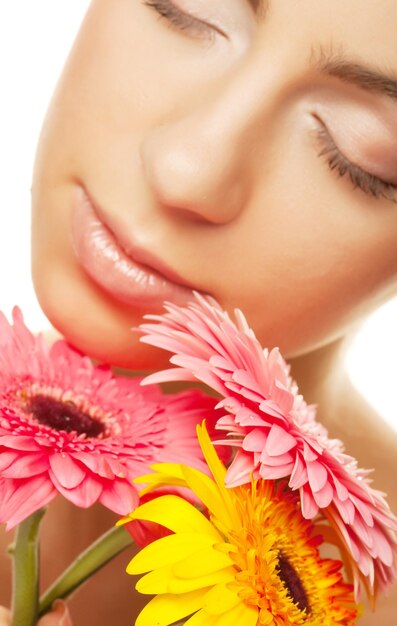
189	214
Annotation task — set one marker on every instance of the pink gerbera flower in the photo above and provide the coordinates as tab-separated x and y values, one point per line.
71	428
275	431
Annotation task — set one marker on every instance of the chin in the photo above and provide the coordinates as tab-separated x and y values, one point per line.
117	346
92	323
131	355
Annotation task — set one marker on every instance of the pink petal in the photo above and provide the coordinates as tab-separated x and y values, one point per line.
26	497
275	473
324	496
244	378
175	374
279	441
317	475
346	510
120	497
7	458
270	408
240	470
248	418
283	398
382	547
97	464
341	489
68	473
19	442
364	510
243	415
298	474
255	441
309	506
207	377
26	466
308	454
347	534
363	532
365	563
232	405
274	461
83	496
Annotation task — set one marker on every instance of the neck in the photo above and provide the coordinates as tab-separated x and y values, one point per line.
323	380
321	376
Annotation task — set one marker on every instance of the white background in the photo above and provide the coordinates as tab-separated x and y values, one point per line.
35	36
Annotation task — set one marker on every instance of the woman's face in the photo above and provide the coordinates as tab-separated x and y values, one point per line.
244	151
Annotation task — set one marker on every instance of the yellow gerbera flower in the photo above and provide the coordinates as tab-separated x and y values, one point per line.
253	561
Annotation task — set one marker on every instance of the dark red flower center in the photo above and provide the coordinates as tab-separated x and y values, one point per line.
63	416
293	583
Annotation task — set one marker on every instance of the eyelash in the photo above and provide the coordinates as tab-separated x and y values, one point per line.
337	162
179	20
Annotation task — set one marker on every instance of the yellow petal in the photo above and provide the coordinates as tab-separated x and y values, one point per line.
202	563
220	599
157	481
209	493
162	580
166	609
155	582
184	585
165	474
249	616
171	469
240	614
176	514
168	550
201	618
218	471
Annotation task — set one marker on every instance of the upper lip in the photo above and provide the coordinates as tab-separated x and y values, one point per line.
133	250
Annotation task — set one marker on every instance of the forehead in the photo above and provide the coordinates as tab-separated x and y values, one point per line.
366	29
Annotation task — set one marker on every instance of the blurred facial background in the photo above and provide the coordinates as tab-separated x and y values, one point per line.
34	40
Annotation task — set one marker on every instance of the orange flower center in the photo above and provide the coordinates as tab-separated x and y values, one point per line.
279	569
293	583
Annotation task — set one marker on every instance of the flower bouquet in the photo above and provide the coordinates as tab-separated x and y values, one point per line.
69	428
240	542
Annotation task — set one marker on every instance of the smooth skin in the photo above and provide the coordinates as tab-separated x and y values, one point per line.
202	140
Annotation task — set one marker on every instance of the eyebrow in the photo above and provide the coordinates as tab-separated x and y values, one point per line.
339	65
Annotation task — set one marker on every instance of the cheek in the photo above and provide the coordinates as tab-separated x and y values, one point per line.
130	70
315	292
311	256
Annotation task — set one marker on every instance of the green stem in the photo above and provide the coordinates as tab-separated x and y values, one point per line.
87	563
25	555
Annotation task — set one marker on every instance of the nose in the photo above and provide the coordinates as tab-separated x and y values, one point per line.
203	164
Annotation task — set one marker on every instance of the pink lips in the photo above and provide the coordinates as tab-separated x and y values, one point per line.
122	276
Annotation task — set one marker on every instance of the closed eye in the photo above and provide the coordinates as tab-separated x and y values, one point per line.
181	21
368	183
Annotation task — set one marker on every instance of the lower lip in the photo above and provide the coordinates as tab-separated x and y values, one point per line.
111	269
